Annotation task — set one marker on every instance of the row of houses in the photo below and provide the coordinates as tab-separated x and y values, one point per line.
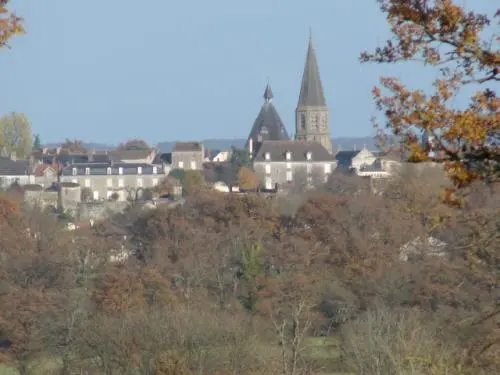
118	173
124	173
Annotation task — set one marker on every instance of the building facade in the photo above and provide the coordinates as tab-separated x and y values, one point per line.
12	170
126	180
188	156
292	162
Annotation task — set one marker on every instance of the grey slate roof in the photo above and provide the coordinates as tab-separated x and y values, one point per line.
268	125
9	167
268	93
311	90
187	146
344	158
118	155
298	150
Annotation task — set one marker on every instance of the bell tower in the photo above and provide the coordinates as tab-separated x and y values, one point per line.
311	115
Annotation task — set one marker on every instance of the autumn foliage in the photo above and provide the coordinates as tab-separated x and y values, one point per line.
10	24
442	34
247	179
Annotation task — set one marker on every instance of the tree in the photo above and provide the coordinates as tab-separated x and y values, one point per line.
247	179
74	145
239	158
167	186
192	182
10	24
15	134
134	144
37	143
442	34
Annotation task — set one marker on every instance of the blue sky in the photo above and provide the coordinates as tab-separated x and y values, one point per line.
166	70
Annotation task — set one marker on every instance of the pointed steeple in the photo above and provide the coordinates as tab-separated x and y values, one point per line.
268	93
311	91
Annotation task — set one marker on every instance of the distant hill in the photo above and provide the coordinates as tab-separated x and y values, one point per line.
225	144
344	143
88	145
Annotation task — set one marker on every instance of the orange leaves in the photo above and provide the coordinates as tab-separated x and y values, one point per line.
8	207
120	290
247	179
442	32
10	24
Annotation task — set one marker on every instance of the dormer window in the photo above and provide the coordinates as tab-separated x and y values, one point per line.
75	171
263	130
288	155
267	155
120	170
308	155
155	170
139	170
108	170
87	171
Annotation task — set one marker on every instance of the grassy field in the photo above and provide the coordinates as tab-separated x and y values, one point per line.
322	352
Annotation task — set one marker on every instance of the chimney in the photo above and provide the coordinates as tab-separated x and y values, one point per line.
13	156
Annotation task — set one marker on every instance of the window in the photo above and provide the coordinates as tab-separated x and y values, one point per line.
181	164
303	121
268	168
288	155
109	183
155	181
155	170
267	156
96	195
139	170
139	182
108	170
87	171
328	168
120	170
289	176
193	164
315	121
309	168
288	165
263	130
109	194
309	155
269	183
120	183
75	171
87	182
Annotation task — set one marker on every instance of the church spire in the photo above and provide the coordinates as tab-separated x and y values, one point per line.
311	91
268	93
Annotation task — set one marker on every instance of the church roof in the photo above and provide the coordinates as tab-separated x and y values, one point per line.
268	125
311	90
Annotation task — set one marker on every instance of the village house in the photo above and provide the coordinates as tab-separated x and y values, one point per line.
188	156
103	180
